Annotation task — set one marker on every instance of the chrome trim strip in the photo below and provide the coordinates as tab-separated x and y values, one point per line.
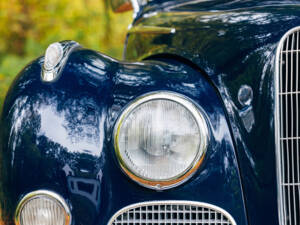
172	202
279	125
151	30
52	74
198	115
38	193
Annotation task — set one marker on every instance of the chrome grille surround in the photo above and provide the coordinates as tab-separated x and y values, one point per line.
287	125
172	212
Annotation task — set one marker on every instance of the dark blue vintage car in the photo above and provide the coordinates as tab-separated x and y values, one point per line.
200	125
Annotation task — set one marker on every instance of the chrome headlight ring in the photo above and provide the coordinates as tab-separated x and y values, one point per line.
198	117
44	195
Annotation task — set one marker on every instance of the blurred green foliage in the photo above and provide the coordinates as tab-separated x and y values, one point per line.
27	27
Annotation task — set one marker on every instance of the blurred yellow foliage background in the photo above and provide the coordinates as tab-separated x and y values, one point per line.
27	27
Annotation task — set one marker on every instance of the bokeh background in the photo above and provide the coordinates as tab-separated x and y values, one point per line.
27	27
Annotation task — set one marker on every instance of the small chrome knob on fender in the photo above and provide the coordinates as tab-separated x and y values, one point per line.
53	55
245	95
55	58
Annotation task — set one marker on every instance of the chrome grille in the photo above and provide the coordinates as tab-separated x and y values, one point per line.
287	126
172	212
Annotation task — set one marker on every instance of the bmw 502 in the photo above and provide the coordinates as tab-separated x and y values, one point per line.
198	125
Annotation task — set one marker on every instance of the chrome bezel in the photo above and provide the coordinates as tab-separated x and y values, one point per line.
53	73
203	131
277	121
173	202
43	193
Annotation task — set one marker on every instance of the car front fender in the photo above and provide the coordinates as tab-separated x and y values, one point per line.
57	136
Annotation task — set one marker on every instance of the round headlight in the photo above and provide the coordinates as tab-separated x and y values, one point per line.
160	139
42	208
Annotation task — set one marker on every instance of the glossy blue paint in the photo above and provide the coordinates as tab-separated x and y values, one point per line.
233	43
209	5
58	136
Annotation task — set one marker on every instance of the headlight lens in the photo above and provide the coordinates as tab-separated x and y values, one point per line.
160	139
42	208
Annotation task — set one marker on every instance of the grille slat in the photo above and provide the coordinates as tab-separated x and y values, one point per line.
287	127
172	213
297	113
